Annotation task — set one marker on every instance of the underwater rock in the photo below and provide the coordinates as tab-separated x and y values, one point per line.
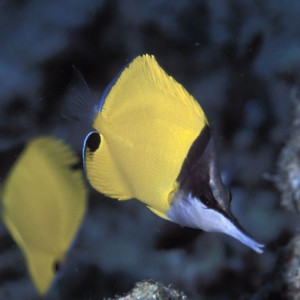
152	290
291	269
288	181
284	282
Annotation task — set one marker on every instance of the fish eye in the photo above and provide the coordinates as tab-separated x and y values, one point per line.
205	200
93	141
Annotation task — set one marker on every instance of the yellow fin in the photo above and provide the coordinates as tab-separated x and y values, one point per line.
44	202
147	123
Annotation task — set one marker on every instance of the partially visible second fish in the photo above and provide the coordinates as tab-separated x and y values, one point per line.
43	204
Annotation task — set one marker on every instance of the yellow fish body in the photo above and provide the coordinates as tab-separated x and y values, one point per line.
43	203
137	158
151	141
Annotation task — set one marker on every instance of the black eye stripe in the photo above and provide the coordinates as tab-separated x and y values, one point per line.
93	141
191	163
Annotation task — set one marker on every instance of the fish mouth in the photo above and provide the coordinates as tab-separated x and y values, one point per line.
189	211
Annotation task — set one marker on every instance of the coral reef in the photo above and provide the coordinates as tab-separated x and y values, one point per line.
288	180
152	290
284	283
286	279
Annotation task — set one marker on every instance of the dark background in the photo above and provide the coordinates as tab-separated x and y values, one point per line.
239	59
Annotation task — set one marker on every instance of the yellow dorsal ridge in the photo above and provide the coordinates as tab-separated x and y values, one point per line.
146	66
166	83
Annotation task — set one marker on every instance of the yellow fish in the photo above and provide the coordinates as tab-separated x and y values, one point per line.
151	141
43	204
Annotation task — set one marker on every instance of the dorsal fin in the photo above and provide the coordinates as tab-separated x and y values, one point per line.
80	102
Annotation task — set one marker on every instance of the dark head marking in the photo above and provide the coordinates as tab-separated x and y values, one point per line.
200	175
204	201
